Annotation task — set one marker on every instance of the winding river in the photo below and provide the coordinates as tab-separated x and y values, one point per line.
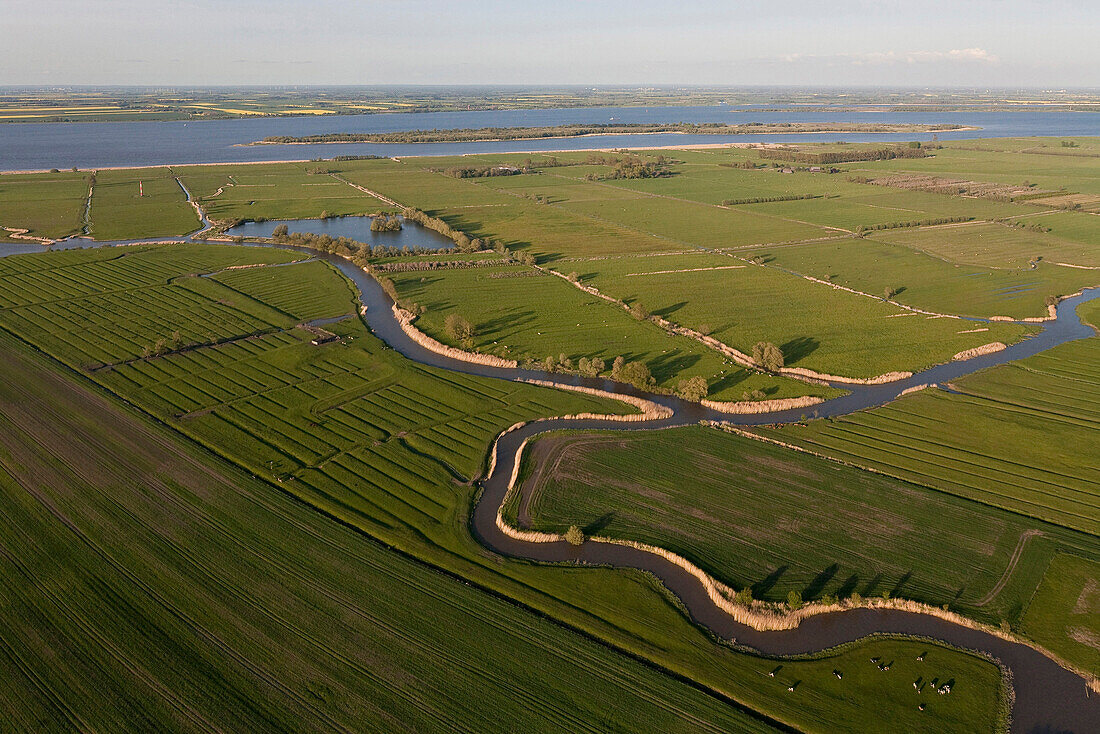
1048	697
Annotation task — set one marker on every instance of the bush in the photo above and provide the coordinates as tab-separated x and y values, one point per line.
637	374
458	328
794	600
768	356
694	388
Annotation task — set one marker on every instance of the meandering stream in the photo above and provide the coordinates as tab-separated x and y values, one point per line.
1049	698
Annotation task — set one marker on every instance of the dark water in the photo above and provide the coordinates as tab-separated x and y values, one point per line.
357	228
1048	697
33	146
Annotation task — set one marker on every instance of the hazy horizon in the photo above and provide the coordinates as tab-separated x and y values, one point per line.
1012	44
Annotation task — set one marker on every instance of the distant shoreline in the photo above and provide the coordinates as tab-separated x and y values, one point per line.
472	137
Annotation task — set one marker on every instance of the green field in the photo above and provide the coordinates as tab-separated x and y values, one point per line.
520	316
1064	614
49	205
121	209
389	448
276	191
758	515
1022	436
928	282
816	326
171	591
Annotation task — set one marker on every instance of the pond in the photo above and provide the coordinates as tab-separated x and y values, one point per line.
356	228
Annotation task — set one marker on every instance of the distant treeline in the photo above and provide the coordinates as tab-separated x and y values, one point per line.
770	199
577	130
480	172
841	156
914	223
419	265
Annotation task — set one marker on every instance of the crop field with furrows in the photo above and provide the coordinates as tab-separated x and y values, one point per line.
928	282
122	209
1064	613
1023	436
816	326
520	313
275	191
389	448
48	204
760	516
993	245
302	291
283	619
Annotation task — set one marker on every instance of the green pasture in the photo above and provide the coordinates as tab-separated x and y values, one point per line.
276	191
304	292
389	448
1064	614
928	282
139	203
759	516
1022	436
992	245
520	313
816	326
50	205
157	575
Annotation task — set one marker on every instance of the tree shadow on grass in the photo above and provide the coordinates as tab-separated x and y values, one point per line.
599	523
845	589
761	588
671	363
799	348
896	591
815	587
512	319
669	310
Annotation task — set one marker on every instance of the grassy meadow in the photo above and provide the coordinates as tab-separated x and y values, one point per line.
1064	613
1022	436
390	450
760	516
121	209
521	313
169	590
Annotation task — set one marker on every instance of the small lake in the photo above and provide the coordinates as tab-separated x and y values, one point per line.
412	235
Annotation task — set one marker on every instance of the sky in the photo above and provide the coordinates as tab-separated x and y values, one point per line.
1049	44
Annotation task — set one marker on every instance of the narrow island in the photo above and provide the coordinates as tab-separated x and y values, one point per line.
493	134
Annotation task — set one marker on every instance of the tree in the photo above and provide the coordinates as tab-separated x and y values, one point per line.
753	395
617	367
458	328
281	230
565	362
573	277
744	597
889	293
549	364
637	374
794	600
590	367
855	598
768	356
694	388
638	311
574	535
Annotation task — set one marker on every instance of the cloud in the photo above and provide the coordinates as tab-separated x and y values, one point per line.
890	58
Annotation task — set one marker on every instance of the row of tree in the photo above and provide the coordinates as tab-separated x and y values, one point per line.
841	156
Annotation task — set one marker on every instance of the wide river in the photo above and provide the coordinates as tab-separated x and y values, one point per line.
1048	697
36	146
